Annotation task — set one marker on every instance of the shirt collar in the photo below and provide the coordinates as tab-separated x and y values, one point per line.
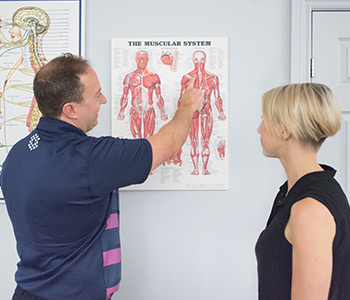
327	174
58	126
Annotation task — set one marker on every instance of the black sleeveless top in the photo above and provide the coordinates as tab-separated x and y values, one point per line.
274	252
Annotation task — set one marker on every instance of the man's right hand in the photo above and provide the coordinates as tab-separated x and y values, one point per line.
192	98
170	138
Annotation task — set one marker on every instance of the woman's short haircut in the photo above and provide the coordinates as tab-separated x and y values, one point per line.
309	111
58	82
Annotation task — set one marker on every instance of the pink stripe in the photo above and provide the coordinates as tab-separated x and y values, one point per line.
111	257
112	290
113	221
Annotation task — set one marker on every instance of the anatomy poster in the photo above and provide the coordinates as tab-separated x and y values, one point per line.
31	34
149	75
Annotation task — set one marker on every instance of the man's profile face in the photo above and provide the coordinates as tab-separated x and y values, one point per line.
141	59
92	100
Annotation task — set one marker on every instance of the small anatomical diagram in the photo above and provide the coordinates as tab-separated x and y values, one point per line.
221	147
170	58
202	121
143	85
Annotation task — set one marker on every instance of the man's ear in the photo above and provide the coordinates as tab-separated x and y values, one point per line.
285	133
69	110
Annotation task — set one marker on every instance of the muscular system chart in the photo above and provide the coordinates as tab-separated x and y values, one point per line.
149	75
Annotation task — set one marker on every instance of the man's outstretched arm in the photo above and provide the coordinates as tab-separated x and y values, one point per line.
169	139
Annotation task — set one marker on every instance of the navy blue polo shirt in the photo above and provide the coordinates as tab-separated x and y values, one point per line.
61	192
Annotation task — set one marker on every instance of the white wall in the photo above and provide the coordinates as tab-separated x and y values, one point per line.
193	244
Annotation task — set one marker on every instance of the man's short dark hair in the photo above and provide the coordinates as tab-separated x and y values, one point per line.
58	82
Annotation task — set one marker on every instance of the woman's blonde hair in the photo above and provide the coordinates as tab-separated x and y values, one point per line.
308	110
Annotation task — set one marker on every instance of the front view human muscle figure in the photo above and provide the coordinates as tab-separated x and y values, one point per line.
142	84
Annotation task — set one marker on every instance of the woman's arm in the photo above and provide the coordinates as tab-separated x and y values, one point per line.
311	230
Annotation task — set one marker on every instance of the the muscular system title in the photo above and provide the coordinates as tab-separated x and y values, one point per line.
168	43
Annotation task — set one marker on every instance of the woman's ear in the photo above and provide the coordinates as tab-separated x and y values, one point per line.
285	133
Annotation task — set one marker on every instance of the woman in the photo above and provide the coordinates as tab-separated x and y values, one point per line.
304	251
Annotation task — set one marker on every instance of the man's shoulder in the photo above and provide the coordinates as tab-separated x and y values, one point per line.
22	145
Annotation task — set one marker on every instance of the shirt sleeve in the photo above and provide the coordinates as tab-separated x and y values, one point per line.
114	163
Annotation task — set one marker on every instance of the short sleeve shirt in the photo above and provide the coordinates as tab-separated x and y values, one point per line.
61	191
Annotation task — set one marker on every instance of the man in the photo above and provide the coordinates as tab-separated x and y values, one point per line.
143	84
61	186
209	84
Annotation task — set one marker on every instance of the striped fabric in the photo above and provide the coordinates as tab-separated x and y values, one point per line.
111	249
